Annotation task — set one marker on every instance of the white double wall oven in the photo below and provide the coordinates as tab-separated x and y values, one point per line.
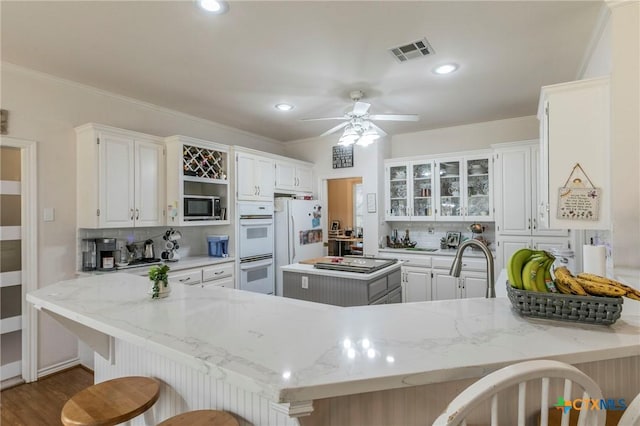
255	246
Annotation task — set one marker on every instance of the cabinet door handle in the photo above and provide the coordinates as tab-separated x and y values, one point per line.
529	225
137	214
534	223
131	211
184	280
218	273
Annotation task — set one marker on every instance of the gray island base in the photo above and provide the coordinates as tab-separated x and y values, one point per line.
342	288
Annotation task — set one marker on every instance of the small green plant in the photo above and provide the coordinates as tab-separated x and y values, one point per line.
158	274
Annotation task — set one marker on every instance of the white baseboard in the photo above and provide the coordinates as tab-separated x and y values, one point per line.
9	383
58	367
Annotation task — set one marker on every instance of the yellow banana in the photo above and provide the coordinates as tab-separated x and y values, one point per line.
540	276
601	289
630	292
563	276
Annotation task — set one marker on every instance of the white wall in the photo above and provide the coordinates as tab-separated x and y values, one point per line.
46	110
463	138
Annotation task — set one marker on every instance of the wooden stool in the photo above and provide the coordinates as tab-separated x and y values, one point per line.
111	402
202	418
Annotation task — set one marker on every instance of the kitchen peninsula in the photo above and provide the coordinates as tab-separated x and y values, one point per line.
269	359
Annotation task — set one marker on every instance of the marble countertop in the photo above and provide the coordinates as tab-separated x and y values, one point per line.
311	270
291	350
182	264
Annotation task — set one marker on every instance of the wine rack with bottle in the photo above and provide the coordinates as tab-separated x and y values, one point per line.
196	168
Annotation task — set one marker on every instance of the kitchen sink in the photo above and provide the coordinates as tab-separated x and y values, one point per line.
421	249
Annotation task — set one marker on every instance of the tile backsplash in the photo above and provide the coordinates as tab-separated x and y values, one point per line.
192	243
428	234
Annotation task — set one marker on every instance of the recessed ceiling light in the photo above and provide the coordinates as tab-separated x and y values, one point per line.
214	6
284	107
445	69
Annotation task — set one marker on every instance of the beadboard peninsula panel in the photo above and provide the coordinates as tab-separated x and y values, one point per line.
421	405
186	389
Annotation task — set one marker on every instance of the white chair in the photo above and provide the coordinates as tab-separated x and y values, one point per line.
517	375
631	416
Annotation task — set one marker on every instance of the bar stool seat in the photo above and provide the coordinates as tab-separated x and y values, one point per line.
111	402
201	418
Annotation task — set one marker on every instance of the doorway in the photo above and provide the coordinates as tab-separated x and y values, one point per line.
18	261
345	216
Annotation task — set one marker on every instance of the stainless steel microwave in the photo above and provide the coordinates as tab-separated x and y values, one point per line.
198	207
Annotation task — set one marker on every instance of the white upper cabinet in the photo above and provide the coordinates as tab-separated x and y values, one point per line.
120	178
293	177
409	190
447	189
255	177
574	129
516	190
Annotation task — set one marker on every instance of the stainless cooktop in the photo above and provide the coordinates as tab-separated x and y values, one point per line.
363	265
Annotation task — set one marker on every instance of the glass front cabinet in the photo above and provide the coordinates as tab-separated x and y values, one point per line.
409	192
443	189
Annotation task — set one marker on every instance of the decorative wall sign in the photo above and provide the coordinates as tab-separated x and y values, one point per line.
575	201
342	156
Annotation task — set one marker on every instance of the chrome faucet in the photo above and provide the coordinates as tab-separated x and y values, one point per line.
457	265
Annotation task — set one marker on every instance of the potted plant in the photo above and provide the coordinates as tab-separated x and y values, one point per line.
159	274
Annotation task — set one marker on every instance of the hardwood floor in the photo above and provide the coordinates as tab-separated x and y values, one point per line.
40	403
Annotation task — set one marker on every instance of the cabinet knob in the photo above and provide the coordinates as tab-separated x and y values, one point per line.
137	214
131	211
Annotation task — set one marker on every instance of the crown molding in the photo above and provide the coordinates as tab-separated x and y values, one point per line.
601	23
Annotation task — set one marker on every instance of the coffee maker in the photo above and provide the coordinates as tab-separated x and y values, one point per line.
106	254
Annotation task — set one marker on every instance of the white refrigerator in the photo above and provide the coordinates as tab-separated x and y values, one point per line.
298	233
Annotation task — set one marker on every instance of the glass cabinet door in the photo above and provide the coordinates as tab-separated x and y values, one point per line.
398	197
422	191
449	190
478	189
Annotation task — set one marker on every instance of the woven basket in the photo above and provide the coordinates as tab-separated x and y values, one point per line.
566	307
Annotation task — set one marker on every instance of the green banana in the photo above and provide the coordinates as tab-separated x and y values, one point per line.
515	264
530	271
540	275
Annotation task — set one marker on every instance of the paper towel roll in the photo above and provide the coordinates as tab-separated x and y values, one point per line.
594	259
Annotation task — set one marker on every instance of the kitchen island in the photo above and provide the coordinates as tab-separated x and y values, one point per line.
269	359
342	287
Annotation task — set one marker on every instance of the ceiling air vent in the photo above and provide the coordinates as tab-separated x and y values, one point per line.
416	49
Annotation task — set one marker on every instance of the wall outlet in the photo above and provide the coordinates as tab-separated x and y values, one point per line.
305	282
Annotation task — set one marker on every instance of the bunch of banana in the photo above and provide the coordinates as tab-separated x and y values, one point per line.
531	270
567	283
601	286
591	284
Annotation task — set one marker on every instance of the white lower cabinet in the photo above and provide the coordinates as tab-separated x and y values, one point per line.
426	278
187	277
416	284
219	275
469	284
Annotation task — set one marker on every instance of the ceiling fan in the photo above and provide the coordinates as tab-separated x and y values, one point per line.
358	125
